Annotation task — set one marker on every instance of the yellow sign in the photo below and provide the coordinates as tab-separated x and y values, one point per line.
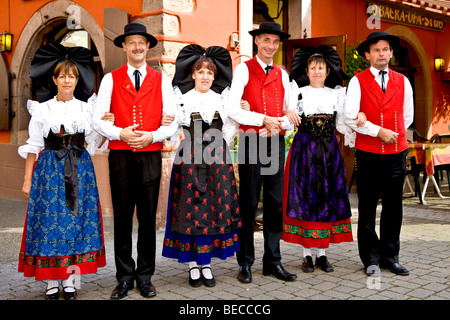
395	15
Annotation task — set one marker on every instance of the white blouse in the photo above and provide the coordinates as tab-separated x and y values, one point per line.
75	115
325	101
207	104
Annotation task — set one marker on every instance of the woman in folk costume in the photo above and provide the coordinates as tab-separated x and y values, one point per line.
316	203
203	208
63	233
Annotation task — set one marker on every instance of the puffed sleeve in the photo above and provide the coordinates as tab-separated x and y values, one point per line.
349	134
35	142
93	138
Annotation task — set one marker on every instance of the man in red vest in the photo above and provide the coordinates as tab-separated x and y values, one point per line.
138	96
265	87
386	98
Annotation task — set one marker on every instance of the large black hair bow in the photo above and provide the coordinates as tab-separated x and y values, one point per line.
189	55
299	65
46	59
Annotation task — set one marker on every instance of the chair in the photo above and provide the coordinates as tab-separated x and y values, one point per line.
414	169
439	138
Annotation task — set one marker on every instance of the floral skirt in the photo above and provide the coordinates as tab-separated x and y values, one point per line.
315	201
56	243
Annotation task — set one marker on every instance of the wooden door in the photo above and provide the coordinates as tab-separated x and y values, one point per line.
4	95
114	21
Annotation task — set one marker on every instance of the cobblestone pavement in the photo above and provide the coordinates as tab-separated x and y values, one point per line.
425	251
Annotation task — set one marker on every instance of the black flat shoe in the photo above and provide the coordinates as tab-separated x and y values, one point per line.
307	264
245	274
121	290
195	282
52	296
69	295
395	268
208	282
278	271
323	263
147	289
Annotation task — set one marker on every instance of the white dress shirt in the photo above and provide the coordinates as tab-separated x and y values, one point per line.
352	104
240	80
103	104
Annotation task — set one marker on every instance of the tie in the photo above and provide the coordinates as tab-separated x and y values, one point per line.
137	80
268	68
383	86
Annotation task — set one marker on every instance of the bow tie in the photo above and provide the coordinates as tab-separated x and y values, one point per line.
268	68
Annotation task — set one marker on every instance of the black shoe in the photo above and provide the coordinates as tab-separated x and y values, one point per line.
245	274
323	263
147	289
195	282
278	271
121	290
208	282
52	296
69	295
307	264
395	268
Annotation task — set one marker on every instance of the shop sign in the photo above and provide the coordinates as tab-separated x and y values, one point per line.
400	16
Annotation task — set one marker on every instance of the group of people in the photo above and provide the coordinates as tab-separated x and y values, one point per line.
208	215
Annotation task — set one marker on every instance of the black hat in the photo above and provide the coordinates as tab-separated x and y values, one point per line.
190	54
135	28
374	37
47	58
331	57
271	28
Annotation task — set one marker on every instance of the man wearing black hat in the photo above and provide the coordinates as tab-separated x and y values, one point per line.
261	160
138	96
386	98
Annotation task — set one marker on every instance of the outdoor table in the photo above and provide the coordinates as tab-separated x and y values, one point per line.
431	155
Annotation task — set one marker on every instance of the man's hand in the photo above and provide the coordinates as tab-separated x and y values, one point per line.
108	116
387	136
273	123
144	139
293	117
167	119
128	133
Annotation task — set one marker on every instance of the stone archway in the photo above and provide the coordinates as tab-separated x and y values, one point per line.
423	87
29	41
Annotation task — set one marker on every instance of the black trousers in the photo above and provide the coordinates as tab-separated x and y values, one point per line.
261	164
380	175
134	179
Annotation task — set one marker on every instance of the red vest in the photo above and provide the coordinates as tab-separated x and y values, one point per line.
384	110
264	93
132	107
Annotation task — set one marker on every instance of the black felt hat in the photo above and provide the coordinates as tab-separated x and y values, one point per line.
271	28
135	28
374	37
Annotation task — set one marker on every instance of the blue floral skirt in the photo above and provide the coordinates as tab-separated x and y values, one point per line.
55	242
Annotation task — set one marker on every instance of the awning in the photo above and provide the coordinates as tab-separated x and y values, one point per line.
437	6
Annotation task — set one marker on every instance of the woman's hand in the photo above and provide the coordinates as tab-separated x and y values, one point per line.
108	116
293	117
245	105
167	119
360	119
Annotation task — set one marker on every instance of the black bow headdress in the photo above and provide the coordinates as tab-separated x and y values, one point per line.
189	55
300	62
47	58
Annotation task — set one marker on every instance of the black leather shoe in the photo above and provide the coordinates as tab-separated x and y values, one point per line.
245	274
323	263
121	290
52	296
208	282
278	271
395	268
195	282
147	289
69	295
307	264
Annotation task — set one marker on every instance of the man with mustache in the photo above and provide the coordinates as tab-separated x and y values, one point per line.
386	98
138	96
